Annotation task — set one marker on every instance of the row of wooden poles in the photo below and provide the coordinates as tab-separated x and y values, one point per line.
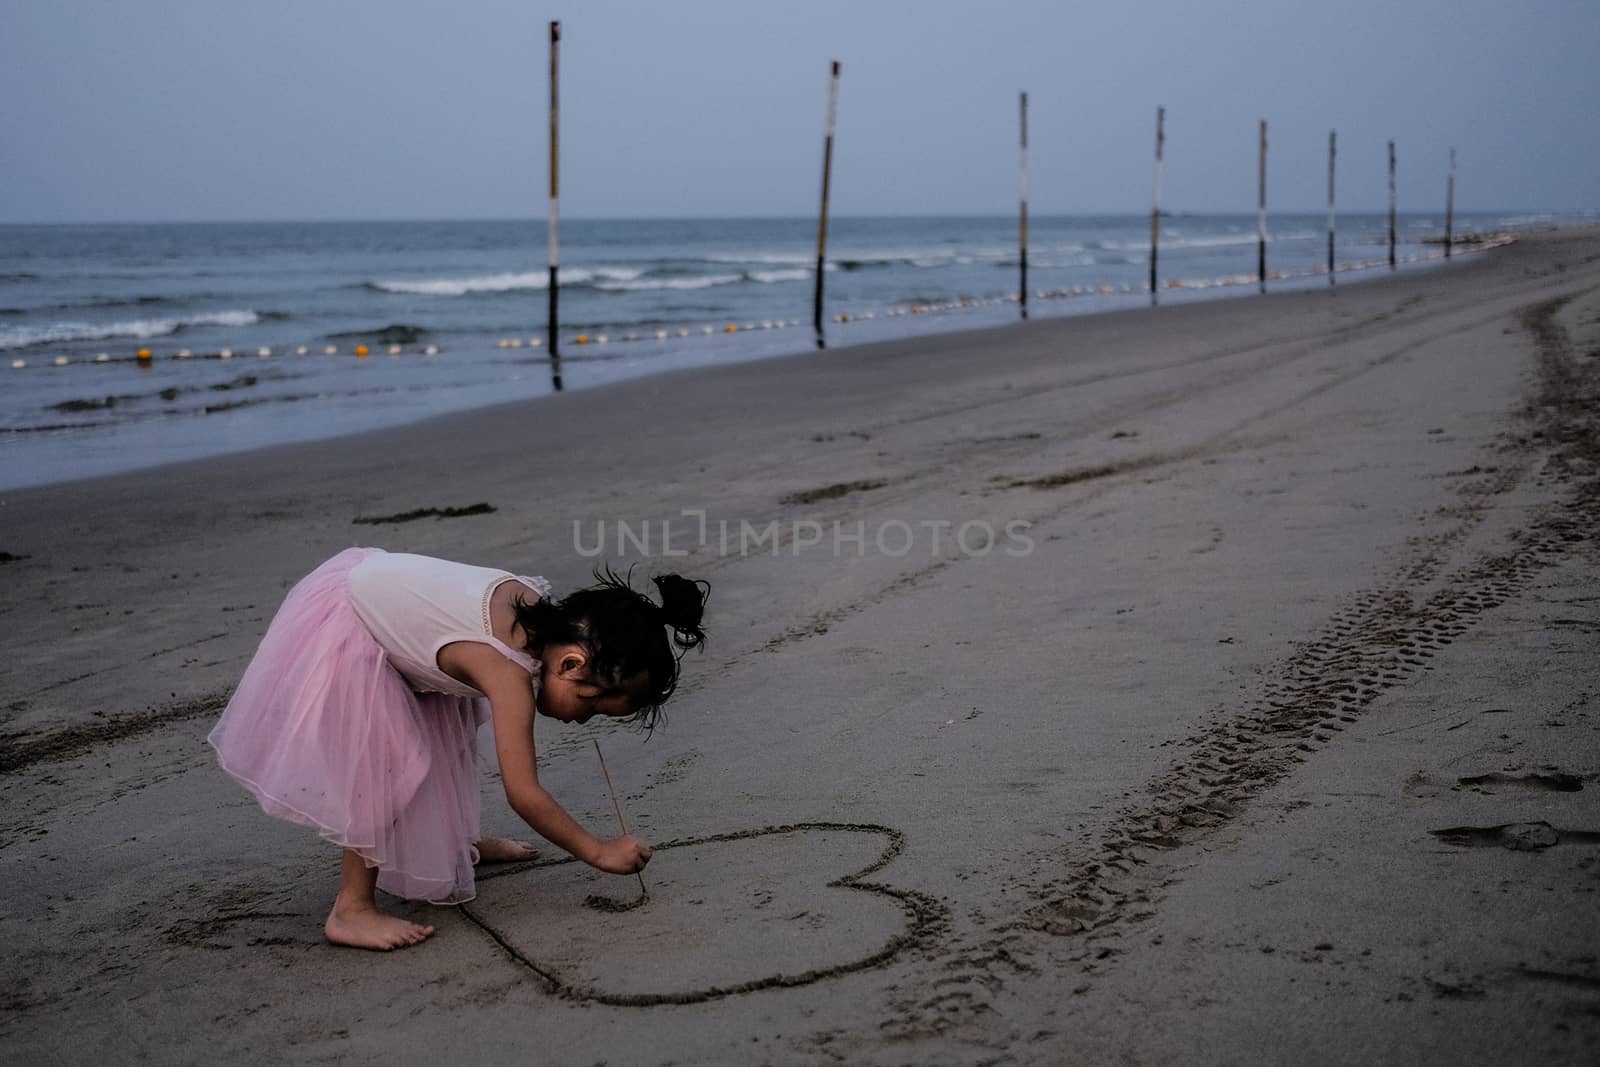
1155	211
553	289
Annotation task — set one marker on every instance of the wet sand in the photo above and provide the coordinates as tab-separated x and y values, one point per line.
1279	736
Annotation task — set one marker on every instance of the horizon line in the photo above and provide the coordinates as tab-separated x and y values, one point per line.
539	219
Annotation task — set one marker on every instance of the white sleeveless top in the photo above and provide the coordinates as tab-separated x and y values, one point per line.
415	605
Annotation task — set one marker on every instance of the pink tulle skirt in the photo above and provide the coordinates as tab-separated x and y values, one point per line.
327	734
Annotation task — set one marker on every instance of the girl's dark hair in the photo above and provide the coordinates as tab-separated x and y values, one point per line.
624	632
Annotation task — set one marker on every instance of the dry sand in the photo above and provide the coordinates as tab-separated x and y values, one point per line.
1281	742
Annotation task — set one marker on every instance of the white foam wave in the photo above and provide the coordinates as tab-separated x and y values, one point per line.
767	277
886	257
135	329
844	258
1221	240
769	258
504	283
700	281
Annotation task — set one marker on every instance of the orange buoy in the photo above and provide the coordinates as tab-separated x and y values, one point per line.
144	353
361	351
730	328
582	338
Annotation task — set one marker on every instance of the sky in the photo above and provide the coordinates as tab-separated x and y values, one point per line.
213	110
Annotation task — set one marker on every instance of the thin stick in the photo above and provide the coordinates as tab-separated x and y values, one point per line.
1333	151
617	807
1391	206
1261	213
1449	203
822	217
1155	212
553	288
1022	233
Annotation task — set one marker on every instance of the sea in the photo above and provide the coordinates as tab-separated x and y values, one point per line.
263	333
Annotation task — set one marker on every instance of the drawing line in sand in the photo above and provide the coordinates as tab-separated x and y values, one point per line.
925	918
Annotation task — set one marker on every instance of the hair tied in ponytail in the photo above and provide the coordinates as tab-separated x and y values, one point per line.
683	603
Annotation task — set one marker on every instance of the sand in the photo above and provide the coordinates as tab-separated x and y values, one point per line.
1273	734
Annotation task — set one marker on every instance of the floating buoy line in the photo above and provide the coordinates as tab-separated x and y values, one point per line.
145	356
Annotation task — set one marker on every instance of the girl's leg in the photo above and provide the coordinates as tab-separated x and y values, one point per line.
355	919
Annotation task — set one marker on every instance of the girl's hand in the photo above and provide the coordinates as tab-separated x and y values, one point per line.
622	855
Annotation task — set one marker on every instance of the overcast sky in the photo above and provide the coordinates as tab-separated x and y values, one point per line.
147	110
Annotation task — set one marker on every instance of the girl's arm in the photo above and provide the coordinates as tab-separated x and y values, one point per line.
511	700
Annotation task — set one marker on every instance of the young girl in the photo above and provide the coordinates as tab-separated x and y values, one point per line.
358	716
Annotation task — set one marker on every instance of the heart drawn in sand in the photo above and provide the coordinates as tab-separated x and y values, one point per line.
727	914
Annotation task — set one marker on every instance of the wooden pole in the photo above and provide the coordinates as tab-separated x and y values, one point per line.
1023	229
553	287
1155	212
616	807
822	218
1261	213
1333	151
1449	203
1392	260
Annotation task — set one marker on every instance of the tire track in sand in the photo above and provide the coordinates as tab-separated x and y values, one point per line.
1080	910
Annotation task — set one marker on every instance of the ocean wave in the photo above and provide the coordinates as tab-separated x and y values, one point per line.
769	258
136	329
767	277
1049	262
915	257
95	304
109	302
1220	240
396	333
703	281
504	283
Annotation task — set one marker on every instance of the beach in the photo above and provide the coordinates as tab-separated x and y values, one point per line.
1214	682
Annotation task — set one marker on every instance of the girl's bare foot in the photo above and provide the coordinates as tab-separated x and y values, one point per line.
504	850
364	926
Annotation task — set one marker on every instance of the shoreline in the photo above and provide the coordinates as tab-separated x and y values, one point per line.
1266	744
234	422
1172	296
